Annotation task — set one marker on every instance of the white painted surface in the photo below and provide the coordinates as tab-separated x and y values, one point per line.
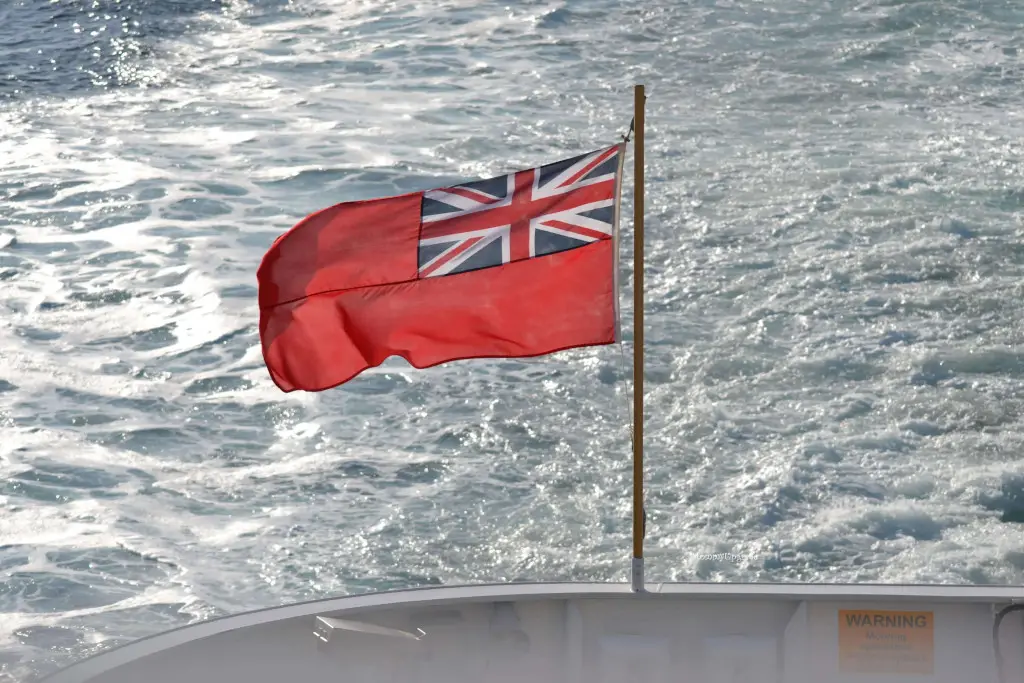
576	633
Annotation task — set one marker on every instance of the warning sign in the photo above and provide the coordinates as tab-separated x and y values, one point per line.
879	641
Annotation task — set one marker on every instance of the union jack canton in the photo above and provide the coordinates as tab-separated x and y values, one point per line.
485	223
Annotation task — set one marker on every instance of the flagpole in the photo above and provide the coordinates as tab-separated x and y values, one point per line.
638	340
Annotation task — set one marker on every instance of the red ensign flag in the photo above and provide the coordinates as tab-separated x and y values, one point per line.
514	266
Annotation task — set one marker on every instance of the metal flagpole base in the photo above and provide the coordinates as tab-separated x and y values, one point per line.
637	574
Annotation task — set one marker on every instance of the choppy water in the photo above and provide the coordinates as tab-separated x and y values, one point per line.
835	203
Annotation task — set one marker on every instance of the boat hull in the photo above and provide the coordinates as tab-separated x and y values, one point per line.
592	633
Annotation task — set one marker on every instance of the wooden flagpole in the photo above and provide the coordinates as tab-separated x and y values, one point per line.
639	525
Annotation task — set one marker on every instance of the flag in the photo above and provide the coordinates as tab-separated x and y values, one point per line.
514	266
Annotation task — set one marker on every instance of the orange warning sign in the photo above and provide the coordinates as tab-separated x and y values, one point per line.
880	641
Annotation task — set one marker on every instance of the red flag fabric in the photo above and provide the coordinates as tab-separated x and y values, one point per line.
509	267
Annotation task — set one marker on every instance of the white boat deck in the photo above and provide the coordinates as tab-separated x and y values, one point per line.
594	633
